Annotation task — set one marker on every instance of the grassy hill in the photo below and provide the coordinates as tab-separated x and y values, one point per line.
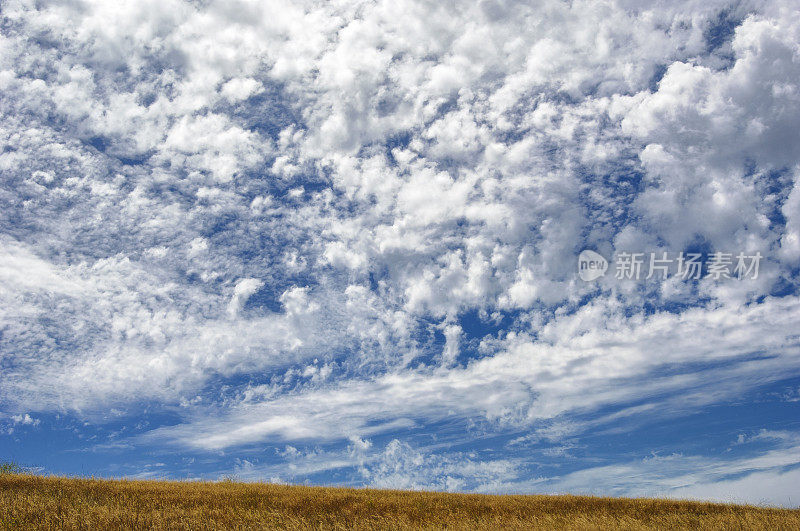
28	501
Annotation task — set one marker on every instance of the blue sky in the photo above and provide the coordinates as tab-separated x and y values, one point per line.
337	243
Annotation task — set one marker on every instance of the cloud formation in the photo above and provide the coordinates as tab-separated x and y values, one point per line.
314	223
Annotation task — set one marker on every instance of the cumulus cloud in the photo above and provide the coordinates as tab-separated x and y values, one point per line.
243	290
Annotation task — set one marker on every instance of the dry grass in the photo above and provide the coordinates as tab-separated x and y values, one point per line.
60	503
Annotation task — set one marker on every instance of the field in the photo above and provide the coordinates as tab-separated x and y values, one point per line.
28	501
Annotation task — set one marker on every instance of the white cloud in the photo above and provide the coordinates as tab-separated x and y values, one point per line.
767	479
241	88
403	165
575	367
452	345
25	420
243	290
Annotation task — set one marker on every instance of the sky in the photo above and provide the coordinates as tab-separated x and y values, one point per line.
338	243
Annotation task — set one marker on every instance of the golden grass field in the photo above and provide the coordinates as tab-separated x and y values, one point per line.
36	502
